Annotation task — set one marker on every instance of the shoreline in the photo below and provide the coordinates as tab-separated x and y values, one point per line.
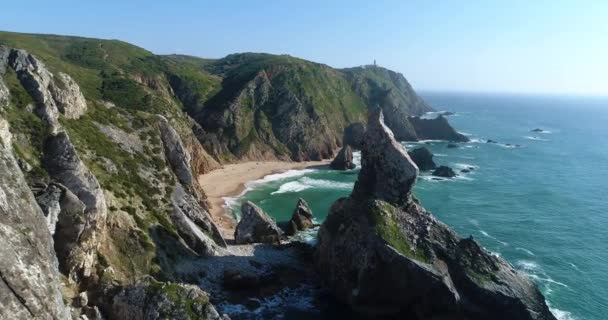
230	180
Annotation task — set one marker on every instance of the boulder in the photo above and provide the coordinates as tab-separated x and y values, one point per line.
343	160
436	129
149	299
353	135
29	277
383	254
66	93
256	226
445	172
423	158
452	146
301	219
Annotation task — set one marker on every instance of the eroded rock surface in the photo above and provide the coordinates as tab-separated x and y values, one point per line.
343	160
64	165
382	253
354	135
301	219
436	129
153	300
256	226
29	285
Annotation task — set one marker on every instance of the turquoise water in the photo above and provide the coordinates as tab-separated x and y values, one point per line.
542	206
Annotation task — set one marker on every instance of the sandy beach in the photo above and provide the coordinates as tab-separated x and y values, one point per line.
230	180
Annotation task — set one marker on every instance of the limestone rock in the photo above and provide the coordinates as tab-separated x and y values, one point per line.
344	159
194	224
153	300
301	219
176	153
387	171
37	80
4	94
383	254
256	226
67	95
48	200
436	129
423	158
354	135
64	166
29	285
445	172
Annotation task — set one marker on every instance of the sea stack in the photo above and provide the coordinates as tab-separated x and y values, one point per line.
344	159
423	158
382	253
256	226
301	219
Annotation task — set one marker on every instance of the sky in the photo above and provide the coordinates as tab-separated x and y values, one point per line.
534	47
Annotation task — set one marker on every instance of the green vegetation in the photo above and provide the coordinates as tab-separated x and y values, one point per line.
178	295
381	215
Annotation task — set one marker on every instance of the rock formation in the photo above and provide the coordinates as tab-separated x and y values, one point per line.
301	219
436	129
29	286
152	300
343	160
64	165
354	135
381	253
423	158
445	172
256	226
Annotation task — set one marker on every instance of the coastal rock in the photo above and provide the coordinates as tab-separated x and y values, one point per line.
452	146
436	129
423	158
4	94
64	166
537	130
344	159
256	226
301	219
29	279
48	200
194	224
354	135
383	254
175	151
387	172
153	300
445	172
70	101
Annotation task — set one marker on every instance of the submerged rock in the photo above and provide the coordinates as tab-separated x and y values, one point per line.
436	129
445	172
353	135
382	253
423	158
452	146
537	130
301	219
344	159
256	226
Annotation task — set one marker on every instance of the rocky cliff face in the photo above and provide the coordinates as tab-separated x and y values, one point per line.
29	286
382	253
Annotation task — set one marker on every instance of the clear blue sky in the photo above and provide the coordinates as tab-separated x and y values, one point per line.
494	46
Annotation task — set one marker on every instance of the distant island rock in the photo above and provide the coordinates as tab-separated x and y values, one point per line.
436	129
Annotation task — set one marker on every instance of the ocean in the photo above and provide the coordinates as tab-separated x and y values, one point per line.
540	200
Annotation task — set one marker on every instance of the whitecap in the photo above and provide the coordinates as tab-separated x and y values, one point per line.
535	138
561	314
525	250
440	155
464	166
305	183
493	238
357	159
528	266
